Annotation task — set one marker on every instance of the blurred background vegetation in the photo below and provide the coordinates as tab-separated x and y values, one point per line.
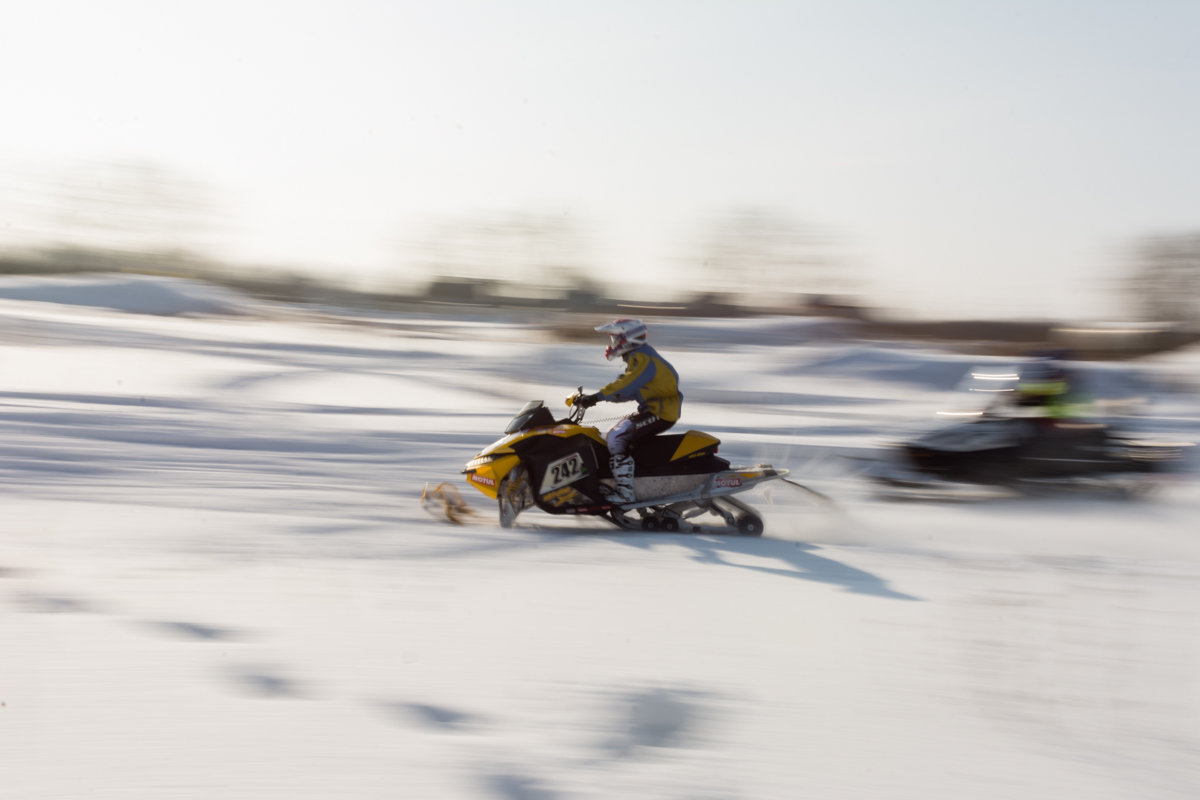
137	216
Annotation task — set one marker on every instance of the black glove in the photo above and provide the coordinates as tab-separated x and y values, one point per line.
587	400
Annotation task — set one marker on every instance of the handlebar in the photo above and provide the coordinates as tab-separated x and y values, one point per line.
577	412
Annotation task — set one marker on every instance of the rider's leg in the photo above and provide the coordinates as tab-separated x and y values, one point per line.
621	440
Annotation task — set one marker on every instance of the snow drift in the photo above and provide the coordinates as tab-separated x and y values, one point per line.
218	581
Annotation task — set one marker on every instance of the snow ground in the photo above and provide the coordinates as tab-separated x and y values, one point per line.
217	581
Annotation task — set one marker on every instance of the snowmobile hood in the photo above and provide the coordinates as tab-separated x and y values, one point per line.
564	430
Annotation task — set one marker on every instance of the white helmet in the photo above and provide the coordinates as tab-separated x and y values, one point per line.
626	335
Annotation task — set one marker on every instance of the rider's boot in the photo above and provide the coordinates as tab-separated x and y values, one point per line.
622	472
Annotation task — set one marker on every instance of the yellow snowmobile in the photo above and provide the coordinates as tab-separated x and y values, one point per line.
560	466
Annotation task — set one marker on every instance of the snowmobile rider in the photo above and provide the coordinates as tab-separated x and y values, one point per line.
1055	412
1046	390
652	382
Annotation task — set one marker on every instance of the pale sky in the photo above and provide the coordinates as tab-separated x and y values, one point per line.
973	158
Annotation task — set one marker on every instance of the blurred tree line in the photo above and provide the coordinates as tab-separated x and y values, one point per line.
138	216
1164	278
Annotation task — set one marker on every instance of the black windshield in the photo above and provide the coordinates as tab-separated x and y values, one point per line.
532	415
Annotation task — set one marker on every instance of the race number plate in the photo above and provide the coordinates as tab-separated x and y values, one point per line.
563	472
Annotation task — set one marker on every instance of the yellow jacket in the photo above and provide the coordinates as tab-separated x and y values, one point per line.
651	380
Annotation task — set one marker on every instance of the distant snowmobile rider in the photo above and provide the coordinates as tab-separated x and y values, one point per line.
1044	387
652	382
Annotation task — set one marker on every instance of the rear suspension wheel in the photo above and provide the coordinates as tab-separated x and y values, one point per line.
750	525
740	516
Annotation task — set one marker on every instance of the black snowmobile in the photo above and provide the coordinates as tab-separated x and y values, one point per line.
1003	445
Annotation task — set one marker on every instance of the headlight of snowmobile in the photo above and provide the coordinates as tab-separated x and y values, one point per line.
479	461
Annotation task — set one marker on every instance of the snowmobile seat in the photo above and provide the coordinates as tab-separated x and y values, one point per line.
689	453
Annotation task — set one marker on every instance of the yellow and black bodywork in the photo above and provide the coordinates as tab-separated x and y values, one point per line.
563	462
